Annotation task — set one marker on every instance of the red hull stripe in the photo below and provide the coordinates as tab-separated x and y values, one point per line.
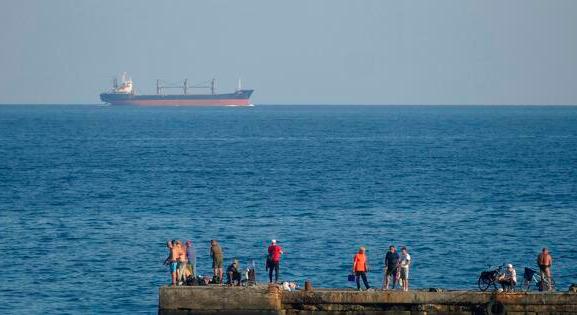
238	102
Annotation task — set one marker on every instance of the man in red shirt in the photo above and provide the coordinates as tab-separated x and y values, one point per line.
273	260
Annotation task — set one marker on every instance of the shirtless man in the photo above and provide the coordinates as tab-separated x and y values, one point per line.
172	259
544	260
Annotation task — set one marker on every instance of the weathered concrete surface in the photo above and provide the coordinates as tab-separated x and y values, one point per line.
192	300
271	300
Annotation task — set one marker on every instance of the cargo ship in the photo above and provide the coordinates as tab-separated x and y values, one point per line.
123	93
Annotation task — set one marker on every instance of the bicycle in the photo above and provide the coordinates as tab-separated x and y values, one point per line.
532	279
489	278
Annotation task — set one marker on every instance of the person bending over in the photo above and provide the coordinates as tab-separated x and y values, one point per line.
508	280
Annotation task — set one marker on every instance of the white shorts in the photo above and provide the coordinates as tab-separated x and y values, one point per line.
405	273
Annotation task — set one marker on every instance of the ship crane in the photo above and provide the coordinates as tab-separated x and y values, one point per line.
204	85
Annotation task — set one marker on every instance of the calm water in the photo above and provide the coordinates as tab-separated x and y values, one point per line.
89	194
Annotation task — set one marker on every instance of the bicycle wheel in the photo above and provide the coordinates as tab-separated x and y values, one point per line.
483	283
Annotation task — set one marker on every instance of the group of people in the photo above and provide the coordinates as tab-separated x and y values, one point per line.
182	261
508	279
396	268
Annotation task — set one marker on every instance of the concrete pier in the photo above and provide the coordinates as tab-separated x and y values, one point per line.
272	300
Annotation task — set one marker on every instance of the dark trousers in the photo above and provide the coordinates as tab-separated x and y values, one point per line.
362	274
233	277
273	266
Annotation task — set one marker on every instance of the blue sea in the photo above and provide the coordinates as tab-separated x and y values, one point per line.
89	195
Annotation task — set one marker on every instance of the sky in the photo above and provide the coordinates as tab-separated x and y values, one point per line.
294	52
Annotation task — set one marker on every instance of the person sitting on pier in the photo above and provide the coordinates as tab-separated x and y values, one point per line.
508	280
233	273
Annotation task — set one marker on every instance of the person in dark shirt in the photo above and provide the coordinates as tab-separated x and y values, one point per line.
391	267
233	273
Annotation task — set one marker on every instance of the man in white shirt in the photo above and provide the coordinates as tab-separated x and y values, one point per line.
509	279
404	263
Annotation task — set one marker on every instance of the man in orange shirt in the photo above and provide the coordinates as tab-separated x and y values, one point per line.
360	268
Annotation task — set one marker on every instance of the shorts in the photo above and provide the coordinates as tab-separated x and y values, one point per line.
405	273
173	266
391	271
217	262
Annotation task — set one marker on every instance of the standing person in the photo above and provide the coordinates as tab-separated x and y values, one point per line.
391	266
273	260
191	257
404	263
360	268
217	260
172	260
544	260
181	262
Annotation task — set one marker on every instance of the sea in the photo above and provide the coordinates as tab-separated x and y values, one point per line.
89	195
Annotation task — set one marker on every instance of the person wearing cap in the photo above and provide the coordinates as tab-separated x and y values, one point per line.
508	280
360	268
273	260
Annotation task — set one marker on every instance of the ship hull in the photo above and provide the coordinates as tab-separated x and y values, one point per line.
239	98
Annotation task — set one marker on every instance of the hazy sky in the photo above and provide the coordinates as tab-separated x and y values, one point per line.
295	52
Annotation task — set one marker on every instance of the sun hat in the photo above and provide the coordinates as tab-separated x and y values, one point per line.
273	241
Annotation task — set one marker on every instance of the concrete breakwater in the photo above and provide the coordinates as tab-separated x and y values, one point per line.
273	300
